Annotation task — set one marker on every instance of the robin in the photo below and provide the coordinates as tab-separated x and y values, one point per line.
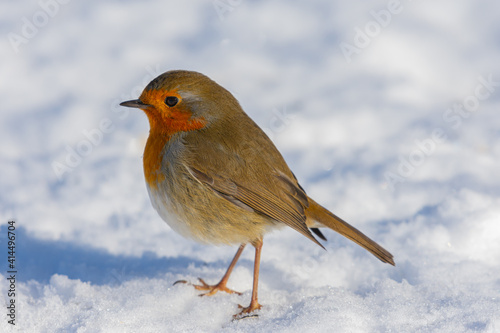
214	176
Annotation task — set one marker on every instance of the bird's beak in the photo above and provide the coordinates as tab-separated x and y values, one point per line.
135	103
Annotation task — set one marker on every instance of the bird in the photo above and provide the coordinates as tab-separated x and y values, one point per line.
213	175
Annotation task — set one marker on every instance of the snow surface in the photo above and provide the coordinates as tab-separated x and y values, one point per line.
92	254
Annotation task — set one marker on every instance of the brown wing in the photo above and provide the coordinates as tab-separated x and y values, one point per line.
236	159
260	200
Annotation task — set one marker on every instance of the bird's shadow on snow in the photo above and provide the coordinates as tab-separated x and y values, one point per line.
38	260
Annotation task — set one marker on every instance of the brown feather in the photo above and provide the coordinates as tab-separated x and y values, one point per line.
261	201
321	215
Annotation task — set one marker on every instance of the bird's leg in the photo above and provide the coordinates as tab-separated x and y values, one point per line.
254	304
221	286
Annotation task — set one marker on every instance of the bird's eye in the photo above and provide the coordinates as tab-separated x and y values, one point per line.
171	101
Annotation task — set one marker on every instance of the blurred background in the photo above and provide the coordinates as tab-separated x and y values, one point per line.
386	111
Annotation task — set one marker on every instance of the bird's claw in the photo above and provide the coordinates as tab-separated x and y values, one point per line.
181	281
212	289
247	312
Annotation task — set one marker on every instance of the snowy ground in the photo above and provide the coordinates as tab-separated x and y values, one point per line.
386	111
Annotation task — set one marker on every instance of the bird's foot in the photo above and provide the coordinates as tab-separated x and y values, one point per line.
247	312
212	289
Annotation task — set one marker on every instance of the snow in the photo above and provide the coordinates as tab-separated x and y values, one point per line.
400	138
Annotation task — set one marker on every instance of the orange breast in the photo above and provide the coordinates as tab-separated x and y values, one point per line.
158	137
152	159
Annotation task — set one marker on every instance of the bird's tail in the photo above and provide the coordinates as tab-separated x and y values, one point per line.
323	217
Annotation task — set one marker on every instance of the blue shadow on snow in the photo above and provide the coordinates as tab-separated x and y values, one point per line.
40	259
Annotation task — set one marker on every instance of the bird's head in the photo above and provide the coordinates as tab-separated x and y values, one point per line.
182	101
